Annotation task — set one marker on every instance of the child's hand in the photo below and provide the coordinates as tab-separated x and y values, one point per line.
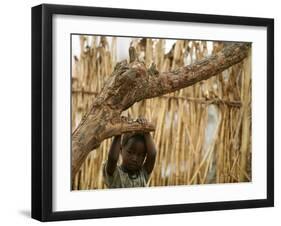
141	120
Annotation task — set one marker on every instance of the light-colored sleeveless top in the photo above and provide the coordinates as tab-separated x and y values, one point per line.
121	179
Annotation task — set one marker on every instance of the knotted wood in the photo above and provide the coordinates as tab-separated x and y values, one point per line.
132	82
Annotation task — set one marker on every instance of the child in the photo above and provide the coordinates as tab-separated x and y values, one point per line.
138	157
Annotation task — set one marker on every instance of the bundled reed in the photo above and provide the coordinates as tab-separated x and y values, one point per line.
203	132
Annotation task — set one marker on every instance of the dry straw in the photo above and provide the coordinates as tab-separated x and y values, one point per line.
203	132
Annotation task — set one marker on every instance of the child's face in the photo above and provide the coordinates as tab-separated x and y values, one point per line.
133	154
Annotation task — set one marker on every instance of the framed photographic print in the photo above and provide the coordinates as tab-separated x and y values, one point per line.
146	112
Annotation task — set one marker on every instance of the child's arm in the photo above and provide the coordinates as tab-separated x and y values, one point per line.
113	155
150	148
150	155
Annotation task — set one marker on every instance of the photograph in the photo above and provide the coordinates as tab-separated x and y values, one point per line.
153	111
139	113
142	112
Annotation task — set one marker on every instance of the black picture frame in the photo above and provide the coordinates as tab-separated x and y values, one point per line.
42	111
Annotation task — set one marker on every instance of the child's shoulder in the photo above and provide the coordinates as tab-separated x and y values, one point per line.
145	175
112	181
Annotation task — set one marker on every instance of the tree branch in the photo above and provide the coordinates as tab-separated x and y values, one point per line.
133	82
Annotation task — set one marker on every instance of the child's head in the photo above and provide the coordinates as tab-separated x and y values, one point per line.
133	151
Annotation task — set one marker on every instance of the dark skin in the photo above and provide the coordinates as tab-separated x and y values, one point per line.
133	154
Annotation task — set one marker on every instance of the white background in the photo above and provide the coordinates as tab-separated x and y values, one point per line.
15	111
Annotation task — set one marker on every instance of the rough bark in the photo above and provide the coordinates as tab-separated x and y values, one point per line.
133	82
